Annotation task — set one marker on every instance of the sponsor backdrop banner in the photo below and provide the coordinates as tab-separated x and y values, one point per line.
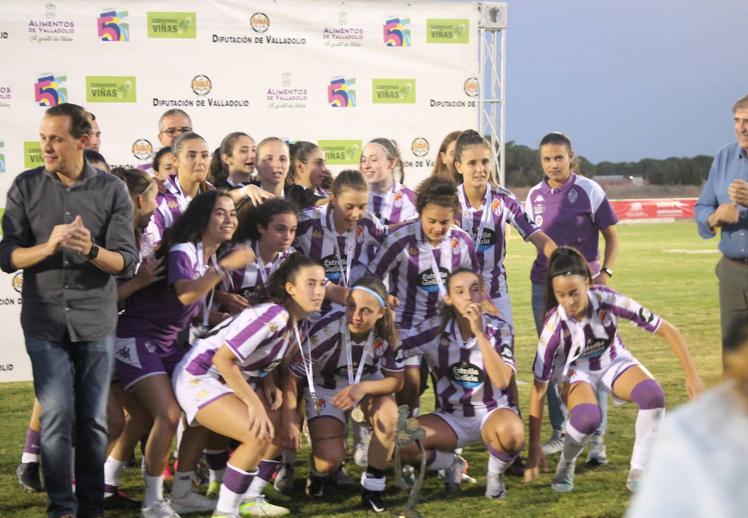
335	73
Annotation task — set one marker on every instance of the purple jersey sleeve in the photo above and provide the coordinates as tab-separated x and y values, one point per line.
518	218
602	210
502	339
181	267
245	335
424	334
386	258
625	307
393	360
551	340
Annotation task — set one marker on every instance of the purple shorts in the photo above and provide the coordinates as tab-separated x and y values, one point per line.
137	358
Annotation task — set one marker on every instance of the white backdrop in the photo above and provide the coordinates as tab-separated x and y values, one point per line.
336	73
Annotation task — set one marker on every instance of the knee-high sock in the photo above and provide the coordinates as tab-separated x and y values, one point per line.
265	471
647	424
113	469
498	461
216	460
583	420
31	448
651	400
235	484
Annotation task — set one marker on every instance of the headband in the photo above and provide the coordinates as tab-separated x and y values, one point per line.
570	272
372	293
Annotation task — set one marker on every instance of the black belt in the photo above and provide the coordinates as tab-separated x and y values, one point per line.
740	260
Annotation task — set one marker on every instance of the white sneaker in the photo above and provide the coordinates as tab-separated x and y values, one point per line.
597	453
554	444
453	474
158	509
258	506
192	503
563	480
495	487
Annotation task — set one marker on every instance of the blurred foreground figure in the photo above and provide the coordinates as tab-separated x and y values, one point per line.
712	431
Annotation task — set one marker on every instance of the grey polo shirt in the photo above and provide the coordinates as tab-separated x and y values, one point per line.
65	293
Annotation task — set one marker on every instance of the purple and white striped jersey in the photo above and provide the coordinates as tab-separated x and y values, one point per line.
247	280
395	206
316	238
155	312
490	250
462	384
573	215
170	205
405	260
329	356
590	344
259	337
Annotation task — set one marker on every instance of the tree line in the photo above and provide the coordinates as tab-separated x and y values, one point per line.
523	168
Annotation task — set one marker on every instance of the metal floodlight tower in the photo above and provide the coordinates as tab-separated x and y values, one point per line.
491	76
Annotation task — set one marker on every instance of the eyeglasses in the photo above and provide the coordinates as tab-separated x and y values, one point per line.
174	131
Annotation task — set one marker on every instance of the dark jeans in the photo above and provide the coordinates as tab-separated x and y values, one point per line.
556	408
71	381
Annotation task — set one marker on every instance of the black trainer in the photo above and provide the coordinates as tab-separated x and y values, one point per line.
372	501
120	501
317	487
28	476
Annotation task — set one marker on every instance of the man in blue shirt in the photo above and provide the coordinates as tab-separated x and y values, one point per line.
723	204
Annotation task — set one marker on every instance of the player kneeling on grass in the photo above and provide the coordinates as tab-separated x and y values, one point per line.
352	366
580	350
217	382
472	357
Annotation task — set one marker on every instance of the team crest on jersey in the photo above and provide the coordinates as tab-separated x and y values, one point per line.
466	375
455	243
602	314
273	327
572	196
413	251
172	204
496	206
359	234
378	343
539	220
317	234
397	199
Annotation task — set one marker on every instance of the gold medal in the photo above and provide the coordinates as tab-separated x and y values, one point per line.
357	414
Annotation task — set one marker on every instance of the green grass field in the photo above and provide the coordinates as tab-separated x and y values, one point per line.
666	267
